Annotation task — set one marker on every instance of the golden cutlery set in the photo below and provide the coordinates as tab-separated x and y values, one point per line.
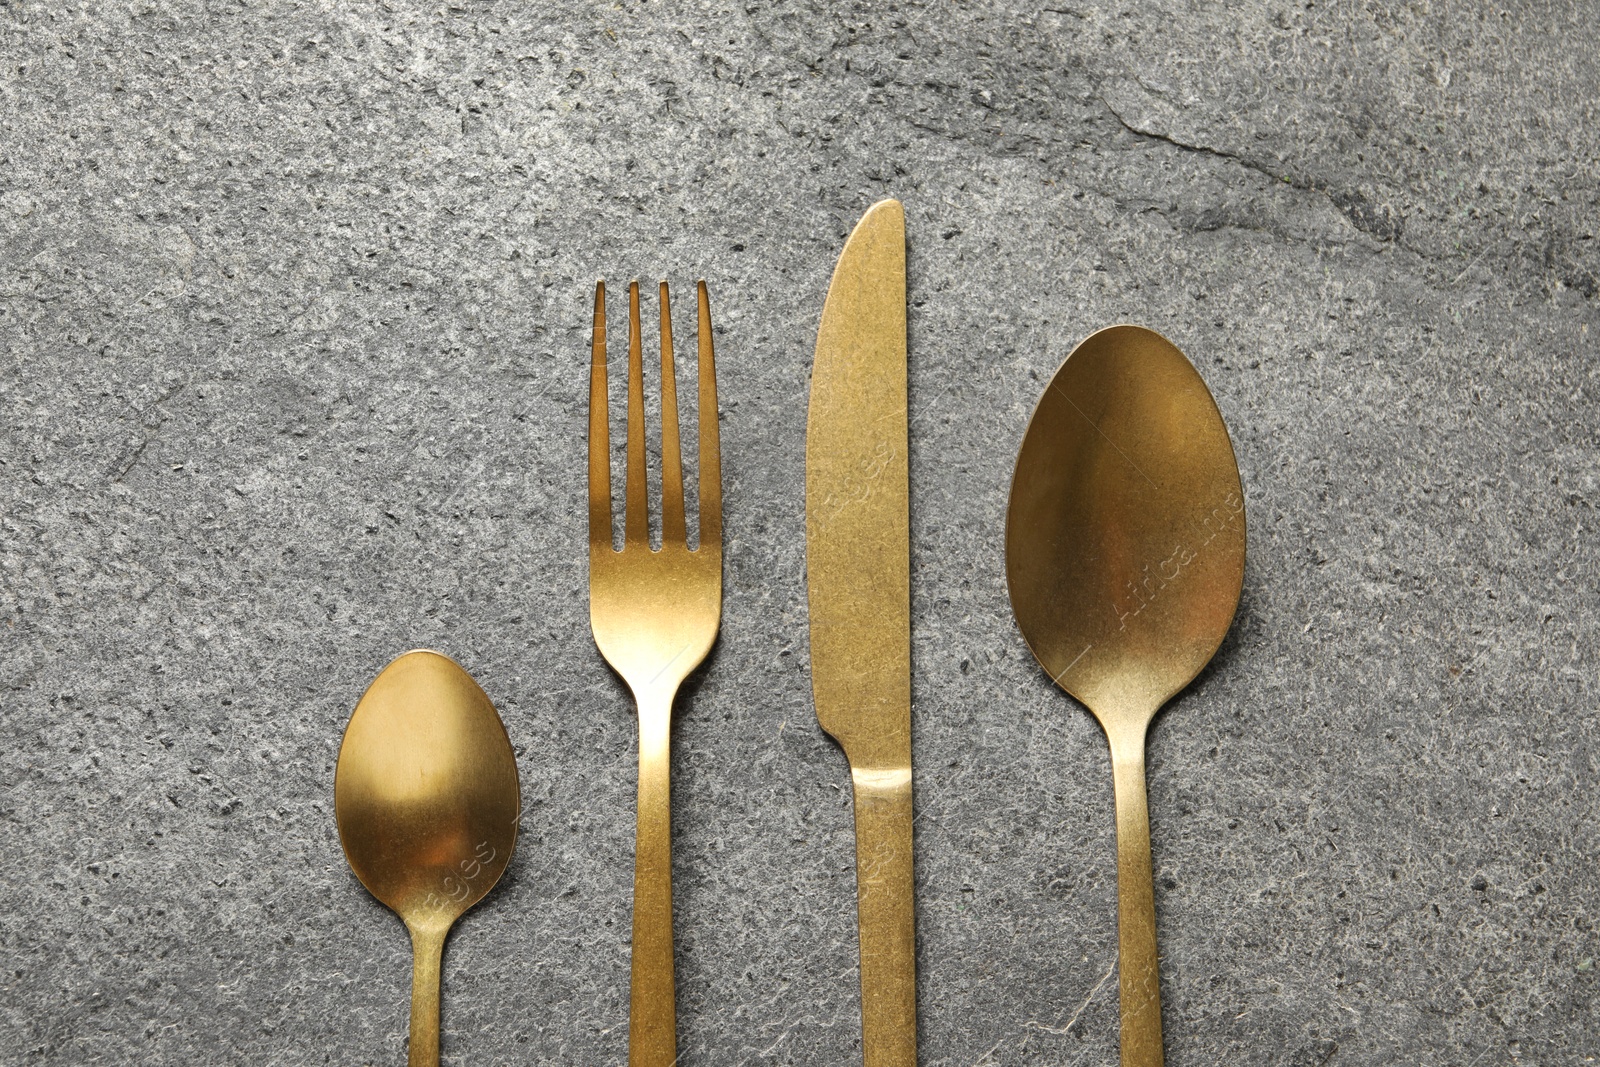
1124	551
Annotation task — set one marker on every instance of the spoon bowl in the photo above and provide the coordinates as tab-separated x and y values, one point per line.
1125	542
427	800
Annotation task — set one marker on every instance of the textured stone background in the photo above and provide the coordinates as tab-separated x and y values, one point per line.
293	315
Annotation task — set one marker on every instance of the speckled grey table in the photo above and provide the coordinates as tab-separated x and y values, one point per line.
294	301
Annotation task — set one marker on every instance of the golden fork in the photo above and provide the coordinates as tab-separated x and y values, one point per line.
654	614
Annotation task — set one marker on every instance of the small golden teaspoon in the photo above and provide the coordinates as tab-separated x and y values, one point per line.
427	800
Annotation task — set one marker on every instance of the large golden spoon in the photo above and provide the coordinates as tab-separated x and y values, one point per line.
427	802
1125	558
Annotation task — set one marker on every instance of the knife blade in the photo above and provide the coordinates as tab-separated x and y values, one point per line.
858	575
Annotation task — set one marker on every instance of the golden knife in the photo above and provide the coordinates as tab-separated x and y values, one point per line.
858	573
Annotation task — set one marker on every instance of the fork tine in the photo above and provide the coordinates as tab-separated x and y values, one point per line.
599	430
710	451
636	508
672	525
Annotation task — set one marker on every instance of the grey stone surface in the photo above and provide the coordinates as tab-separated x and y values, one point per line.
294	301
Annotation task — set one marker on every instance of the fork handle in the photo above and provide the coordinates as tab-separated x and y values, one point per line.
652	1012
1138	964
886	917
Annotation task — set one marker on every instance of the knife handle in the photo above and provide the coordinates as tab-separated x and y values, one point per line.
887	922
652	1011
1138	964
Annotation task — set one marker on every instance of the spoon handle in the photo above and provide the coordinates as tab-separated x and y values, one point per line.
652	1016
427	945
1138	966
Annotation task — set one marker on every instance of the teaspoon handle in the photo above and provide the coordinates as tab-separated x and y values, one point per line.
652	1014
1138	966
427	946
